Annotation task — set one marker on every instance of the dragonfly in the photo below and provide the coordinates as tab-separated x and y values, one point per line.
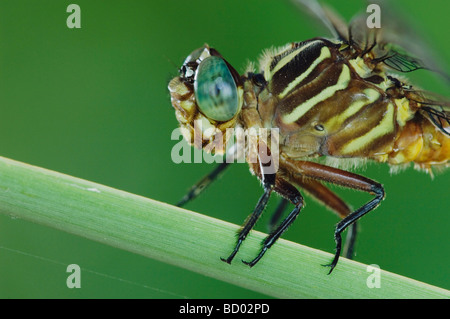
334	102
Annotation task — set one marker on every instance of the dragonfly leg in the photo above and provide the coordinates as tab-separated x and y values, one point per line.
268	178
202	184
291	193
268	183
353	217
250	222
331	200
347	179
281	207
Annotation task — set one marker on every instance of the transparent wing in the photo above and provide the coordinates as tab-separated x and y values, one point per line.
434	107
326	16
440	116
402	62
402	43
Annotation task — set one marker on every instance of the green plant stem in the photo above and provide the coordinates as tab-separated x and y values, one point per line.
187	239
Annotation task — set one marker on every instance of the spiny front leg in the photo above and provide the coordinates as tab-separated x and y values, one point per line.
289	192
268	180
251	221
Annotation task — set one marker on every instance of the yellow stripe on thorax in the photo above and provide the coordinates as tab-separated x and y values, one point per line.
324	53
285	60
371	95
384	127
300	110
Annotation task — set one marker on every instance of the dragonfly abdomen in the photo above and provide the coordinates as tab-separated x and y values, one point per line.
421	142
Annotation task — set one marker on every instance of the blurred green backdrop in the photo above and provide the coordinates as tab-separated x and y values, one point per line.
93	103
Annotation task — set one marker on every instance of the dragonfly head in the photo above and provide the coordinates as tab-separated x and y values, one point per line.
207	97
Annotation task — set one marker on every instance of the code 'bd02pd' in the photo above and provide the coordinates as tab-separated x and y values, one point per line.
334	102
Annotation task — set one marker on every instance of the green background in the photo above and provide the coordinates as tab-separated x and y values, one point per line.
93	103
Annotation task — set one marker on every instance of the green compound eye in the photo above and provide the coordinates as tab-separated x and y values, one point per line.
215	89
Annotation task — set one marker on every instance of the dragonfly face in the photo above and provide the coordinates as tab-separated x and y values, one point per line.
328	99
207	97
